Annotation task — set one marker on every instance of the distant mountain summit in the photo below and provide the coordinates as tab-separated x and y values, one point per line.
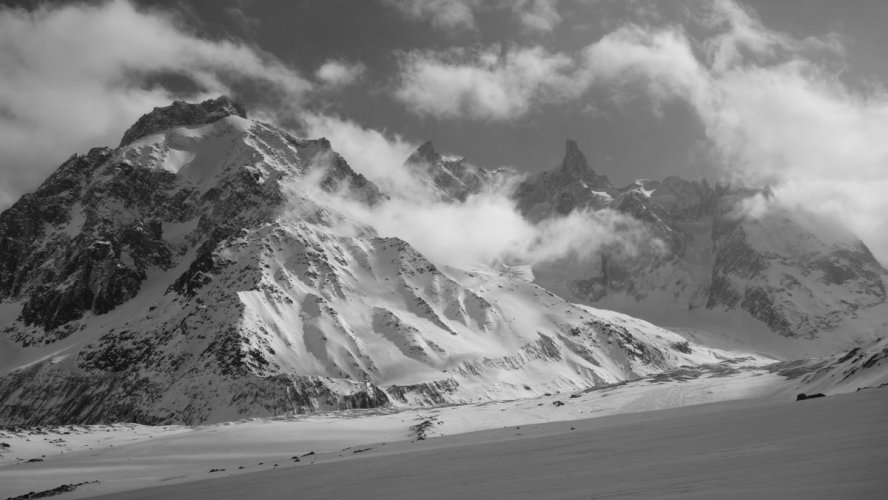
181	113
574	165
781	267
452	178
425	153
571	185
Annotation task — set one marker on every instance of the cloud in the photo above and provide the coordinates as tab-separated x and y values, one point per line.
237	12
487	229
372	153
739	36
537	15
633	57
445	14
339	73
489	84
74	76
533	15
773	110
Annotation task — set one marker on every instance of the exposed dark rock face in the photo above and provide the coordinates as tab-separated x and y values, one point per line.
26	220
91	264
181	113
88	258
434	393
124	396
339	174
58	490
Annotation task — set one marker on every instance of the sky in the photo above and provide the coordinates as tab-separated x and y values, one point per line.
789	94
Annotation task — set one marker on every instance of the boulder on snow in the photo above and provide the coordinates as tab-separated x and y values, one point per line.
803	396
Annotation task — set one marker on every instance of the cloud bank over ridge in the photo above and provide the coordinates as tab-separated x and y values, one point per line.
774	109
486	229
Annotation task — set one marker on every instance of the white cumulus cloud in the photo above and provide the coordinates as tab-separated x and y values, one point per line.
446	14
773	110
537	15
74	76
340	73
533	15
489	84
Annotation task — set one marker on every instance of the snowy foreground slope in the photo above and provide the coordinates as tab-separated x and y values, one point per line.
749	449
768	447
202	272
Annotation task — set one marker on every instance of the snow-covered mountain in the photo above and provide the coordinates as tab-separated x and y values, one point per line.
799	275
450	178
201	271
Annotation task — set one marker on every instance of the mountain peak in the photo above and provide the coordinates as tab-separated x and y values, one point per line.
181	113
574	166
426	153
574	161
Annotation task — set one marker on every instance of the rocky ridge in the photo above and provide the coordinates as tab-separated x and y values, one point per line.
181	113
452	178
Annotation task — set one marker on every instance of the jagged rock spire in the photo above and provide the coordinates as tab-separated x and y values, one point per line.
574	166
574	161
181	113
